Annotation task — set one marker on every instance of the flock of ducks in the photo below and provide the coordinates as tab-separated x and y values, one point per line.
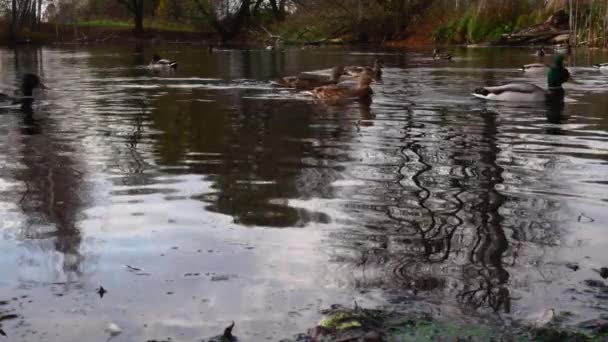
331	88
334	88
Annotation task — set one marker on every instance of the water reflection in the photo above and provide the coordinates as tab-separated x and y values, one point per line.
555	116
52	174
426	192
486	278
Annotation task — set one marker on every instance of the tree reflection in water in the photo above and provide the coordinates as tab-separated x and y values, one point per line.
54	190
447	233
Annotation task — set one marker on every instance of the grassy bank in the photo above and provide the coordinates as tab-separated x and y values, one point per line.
488	21
474	25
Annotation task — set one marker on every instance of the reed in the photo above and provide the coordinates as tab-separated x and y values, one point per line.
486	20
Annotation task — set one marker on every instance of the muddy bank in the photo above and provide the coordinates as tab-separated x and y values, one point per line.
362	325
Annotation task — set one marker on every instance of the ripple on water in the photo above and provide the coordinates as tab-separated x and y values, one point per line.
458	205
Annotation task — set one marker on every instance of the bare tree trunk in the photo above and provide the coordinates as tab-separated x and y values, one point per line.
605	22
229	26
571	19
576	23
14	23
136	7
277	9
39	14
139	17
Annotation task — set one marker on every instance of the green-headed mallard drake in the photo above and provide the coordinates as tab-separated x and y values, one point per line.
305	81
28	84
535	68
437	54
159	63
522	92
375	70
362	92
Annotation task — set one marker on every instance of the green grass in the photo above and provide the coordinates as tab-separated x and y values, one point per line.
148	24
105	23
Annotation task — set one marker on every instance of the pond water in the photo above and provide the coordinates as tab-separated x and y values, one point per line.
208	196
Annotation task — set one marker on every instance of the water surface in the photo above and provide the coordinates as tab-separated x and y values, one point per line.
208	196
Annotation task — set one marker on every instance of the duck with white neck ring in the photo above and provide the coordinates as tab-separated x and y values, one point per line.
524	92
160	64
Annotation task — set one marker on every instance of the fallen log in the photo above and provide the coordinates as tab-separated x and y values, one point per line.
554	30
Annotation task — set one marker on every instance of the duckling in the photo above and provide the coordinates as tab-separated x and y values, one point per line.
523	92
375	71
363	91
437	54
28	84
305	81
159	63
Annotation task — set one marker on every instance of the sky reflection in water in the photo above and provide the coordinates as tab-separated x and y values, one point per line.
240	201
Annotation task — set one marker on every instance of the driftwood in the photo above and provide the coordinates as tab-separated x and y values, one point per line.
554	30
543	37
274	39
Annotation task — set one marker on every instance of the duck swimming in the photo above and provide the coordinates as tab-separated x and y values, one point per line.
159	63
437	54
375	70
601	66
28	84
564	49
523	92
535	68
362	92
306	81
540	52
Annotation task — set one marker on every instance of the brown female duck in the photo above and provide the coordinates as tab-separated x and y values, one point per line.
362	92
306	81
438	54
375	70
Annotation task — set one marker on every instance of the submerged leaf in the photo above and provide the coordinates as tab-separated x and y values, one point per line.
333	321
349	325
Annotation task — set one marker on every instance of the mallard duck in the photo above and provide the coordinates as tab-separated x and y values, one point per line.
540	52
437	54
522	92
601	66
535	68
159	63
564	49
362	92
375	71
305	81
28	84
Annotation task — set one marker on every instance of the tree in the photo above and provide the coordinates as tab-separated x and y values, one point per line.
136	7
14	20
230	23
24	13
